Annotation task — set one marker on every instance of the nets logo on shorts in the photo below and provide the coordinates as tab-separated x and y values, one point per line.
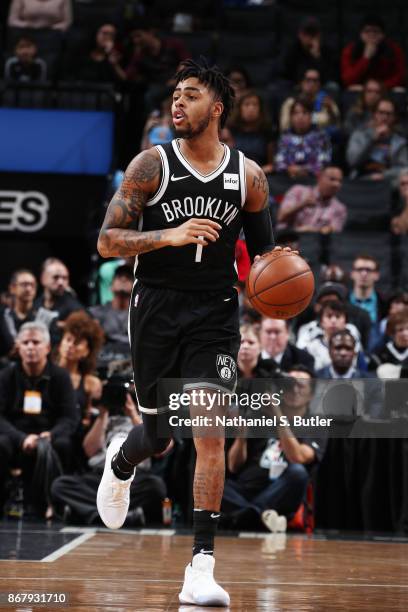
226	367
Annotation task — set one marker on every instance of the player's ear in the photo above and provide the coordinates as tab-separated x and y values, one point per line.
218	109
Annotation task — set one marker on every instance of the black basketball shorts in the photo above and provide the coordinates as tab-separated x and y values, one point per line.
189	336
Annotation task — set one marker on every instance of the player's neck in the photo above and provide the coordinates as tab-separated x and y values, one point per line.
203	148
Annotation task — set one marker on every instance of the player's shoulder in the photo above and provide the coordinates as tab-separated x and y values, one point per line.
145	166
252	169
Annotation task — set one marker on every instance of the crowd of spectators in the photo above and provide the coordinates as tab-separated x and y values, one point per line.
64	382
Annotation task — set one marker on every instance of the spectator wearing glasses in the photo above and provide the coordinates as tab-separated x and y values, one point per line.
303	150
325	111
22	288
360	115
399	223
377	152
373	55
364	275
315	209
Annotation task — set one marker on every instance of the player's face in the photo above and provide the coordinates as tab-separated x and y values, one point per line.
193	108
274	336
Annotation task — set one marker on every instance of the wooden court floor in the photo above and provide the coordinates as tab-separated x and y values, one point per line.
135	572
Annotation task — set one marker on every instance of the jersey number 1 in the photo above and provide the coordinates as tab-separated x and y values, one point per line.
199	251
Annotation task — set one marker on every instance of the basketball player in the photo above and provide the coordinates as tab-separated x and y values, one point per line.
179	210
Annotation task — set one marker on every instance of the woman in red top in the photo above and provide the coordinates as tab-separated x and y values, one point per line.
373	56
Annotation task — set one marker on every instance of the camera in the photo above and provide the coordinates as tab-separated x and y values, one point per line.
114	393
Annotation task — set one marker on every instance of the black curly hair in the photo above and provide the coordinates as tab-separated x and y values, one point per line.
213	78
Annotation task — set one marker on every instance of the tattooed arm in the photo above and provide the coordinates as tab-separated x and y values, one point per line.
117	237
257	187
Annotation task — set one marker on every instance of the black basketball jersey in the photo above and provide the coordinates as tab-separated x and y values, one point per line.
185	193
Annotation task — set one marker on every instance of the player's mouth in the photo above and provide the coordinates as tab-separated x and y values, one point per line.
178	117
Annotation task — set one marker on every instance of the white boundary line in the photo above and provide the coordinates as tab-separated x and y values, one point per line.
255	583
63	550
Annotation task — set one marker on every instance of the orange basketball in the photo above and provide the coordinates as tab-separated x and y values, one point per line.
280	285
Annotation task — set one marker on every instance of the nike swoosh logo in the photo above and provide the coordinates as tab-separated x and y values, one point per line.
214	515
206	551
227	299
178	178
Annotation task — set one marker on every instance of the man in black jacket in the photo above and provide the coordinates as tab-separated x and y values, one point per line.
36	401
276	348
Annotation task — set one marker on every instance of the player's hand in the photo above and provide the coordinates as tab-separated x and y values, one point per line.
30	443
194	231
277	248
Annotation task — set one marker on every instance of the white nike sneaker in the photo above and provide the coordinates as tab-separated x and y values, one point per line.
273	521
199	586
113	496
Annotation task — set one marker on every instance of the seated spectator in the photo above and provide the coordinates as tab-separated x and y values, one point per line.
106	272
24	66
272	474
396	349
113	316
239	79
36	404
373	56
397	302
359	323
302	150
281	354
343	355
23	287
332	318
365	274
158	128
315	209
101	64
325	111
328	293
154	61
57	300
378	152
360	115
77	353
399	223
251	130
75	496
308	52
249	361
46	14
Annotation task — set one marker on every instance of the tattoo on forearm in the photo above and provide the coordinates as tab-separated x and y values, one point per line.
116	238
